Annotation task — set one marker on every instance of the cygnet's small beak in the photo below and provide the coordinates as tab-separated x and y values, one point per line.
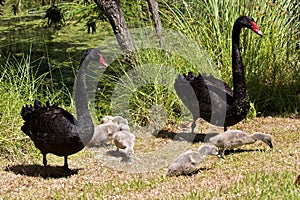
271	145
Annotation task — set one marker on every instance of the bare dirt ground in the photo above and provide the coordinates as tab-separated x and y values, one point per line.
100	173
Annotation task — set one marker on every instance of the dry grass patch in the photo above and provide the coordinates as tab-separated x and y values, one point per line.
254	172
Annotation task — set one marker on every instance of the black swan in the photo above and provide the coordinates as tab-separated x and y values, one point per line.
209	98
53	129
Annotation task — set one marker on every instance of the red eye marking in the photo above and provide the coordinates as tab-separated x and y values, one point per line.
102	61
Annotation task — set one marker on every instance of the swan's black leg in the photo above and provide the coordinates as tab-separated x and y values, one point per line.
46	174
225	128
66	167
44	159
193	126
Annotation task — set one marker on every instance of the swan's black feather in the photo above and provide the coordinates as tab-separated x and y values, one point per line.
211	98
55	130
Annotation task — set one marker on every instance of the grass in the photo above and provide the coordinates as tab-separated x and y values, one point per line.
21	84
272	81
44	68
255	173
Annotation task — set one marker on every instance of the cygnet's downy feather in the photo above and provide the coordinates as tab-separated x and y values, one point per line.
187	162
235	138
124	140
103	134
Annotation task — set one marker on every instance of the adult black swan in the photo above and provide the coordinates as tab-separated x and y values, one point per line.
211	98
53	129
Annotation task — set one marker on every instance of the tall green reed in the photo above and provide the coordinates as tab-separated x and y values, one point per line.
272	69
21	84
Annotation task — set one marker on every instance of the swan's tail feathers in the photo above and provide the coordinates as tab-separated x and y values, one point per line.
184	79
189	77
184	87
27	111
47	104
37	104
181	83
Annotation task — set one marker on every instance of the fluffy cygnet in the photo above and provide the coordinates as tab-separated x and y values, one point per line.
124	140
235	138
187	162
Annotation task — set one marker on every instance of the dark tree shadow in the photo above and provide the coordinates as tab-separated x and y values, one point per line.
41	171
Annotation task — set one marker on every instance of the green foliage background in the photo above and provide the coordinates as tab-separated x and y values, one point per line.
38	62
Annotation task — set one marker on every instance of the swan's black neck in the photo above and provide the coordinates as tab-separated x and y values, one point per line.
239	82
85	124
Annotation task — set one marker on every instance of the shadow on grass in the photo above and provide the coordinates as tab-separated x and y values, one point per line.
233	151
196	138
115	153
189	137
118	154
199	170
41	171
194	172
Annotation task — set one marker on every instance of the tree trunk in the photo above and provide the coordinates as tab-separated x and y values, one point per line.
153	7
112	10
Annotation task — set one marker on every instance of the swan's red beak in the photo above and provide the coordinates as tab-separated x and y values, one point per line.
102	61
255	28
